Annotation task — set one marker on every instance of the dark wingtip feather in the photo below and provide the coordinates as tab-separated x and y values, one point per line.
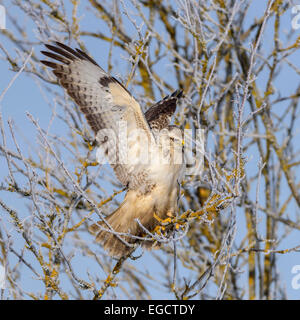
49	64
68	52
86	56
63	52
68	49
177	94
55	57
59	44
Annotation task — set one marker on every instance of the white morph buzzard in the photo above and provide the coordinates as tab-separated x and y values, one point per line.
153	184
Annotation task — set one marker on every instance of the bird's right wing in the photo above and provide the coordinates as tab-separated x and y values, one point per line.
105	102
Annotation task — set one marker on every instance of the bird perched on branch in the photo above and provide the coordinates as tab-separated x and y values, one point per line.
147	157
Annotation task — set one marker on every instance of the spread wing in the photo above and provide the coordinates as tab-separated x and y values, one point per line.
105	102
159	115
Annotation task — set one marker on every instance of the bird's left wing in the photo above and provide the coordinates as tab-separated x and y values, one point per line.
159	115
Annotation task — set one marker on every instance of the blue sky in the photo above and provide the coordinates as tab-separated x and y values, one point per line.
25	95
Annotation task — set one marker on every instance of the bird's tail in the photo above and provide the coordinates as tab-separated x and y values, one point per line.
123	221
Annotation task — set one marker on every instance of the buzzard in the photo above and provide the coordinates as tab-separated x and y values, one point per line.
152	181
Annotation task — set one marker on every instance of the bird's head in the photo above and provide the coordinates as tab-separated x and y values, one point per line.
171	143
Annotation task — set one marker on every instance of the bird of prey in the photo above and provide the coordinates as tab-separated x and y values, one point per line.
152	181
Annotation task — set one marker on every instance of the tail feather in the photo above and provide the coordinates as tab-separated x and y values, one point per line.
109	241
123	221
